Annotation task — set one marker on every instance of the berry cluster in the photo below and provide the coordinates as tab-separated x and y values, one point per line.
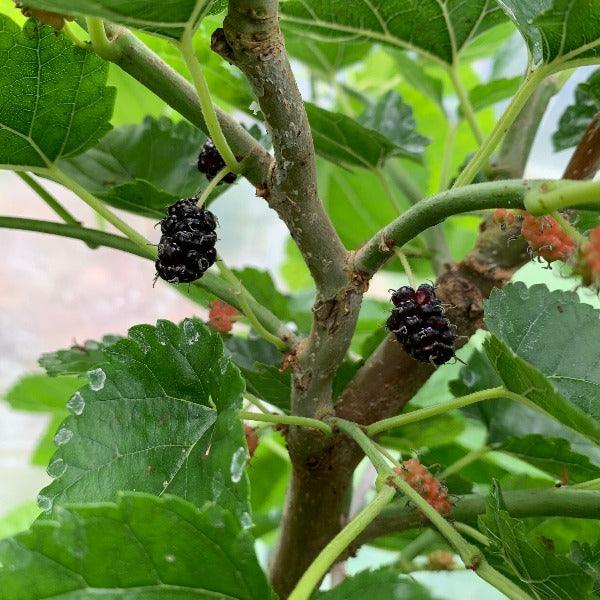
210	162
419	324
422	481
546	238
187	245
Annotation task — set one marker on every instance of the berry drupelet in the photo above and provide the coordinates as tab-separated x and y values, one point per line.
418	322
187	245
210	162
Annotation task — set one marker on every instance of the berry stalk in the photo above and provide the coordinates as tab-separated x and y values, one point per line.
287	420
564	195
483	154
319	567
186	47
440	409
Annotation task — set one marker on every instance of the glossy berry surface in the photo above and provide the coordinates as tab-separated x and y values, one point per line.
418	322
210	162
187	245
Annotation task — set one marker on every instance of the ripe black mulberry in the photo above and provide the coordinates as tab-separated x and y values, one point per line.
419	324
210	162
187	245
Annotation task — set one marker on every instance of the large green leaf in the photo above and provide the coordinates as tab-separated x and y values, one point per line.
56	103
383	584
324	58
437	29
344	141
77	359
492	92
552	455
545	347
159	416
142	547
167	18
394	119
507	421
541	572
577	117
557	30
588	557
143	168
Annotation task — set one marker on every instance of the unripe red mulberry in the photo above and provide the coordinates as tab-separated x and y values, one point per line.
547	238
503	217
422	481
220	316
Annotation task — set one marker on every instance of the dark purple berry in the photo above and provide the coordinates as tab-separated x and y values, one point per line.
402	294
418	323
210	162
187	245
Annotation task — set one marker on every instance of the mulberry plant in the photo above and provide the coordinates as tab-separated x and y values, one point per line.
366	145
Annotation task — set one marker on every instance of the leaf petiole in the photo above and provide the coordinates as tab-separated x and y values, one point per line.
287	420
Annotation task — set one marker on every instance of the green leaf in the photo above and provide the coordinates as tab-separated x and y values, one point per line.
168	18
439	30
542	573
143	168
57	103
588	557
269	474
545	347
77	359
488	94
506	419
431	433
344	141
41	393
557	30
322	57
18	519
552	455
522	378
159	416
577	117
393	118
140	547
260	364
383	584
415	74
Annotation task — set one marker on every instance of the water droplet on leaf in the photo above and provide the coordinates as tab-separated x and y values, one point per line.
56	468
62	436
238	460
246	521
76	404
44	502
96	377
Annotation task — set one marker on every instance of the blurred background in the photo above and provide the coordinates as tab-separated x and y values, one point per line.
56	292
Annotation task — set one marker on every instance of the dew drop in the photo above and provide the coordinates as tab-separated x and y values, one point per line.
56	468
190	332
238	460
246	521
470	378
44	502
76	404
170	558
62	436
96	377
